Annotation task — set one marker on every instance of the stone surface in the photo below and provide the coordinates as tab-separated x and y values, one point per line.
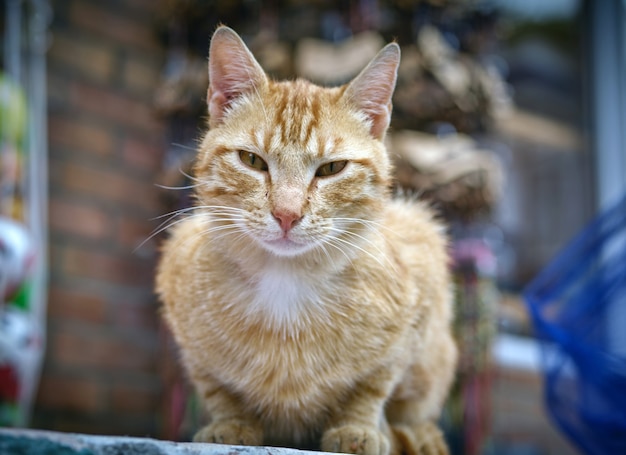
35	442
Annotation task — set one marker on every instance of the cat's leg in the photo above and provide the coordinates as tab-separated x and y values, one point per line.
414	433
230	424
418	400
358	424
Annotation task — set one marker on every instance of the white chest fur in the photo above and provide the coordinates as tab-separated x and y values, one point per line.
285	298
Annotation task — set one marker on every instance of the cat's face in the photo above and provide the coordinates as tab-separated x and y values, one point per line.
290	165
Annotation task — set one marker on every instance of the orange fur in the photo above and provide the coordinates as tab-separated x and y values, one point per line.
311	310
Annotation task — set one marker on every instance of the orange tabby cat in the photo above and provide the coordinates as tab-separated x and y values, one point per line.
311	309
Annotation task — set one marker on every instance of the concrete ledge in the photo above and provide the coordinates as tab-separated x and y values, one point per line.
36	442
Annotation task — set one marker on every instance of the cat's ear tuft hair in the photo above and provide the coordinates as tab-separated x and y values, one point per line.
233	72
372	89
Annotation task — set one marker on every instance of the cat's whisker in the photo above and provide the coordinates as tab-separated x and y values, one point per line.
225	214
191	177
211	238
224	227
364	239
200	182
225	208
382	253
172	216
186	187
230	214
221	220
225	230
368	223
167	224
363	250
184	146
242	235
174	213
321	249
330	241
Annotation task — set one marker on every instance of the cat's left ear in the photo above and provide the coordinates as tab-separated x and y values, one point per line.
233	72
372	89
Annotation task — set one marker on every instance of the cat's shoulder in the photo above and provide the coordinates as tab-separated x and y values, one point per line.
413	211
412	219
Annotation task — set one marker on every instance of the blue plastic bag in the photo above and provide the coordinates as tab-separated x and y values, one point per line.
578	308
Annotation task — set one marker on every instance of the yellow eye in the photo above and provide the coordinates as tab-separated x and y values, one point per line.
253	160
331	168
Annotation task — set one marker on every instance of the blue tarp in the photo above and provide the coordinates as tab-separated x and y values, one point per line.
578	308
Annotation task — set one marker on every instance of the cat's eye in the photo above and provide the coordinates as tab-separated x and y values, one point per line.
253	160
332	168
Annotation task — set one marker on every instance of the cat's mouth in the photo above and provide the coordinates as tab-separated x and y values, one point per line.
286	246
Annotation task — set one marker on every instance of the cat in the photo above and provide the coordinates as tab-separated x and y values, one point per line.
311	307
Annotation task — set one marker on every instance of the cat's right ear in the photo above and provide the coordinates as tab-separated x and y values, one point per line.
233	72
372	89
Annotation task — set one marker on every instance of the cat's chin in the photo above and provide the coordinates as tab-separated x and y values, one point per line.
285	247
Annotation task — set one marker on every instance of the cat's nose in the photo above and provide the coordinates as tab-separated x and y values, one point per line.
286	218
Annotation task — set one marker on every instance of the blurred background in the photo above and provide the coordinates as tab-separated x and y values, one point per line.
508	115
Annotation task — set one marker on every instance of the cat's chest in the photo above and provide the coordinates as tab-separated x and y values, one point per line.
283	298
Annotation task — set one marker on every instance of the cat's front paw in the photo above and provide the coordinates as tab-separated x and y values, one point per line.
234	432
355	439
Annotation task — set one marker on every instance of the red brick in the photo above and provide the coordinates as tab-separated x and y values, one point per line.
70	394
92	59
67	305
141	77
111	185
115	107
142	316
76	134
143	155
108	267
133	399
100	89
137	235
98	352
117	27
79	219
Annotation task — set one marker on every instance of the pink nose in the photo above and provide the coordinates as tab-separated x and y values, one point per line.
287	219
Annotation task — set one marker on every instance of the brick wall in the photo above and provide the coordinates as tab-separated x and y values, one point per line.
101	369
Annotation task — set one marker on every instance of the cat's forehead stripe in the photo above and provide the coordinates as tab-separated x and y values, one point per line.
315	112
297	111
